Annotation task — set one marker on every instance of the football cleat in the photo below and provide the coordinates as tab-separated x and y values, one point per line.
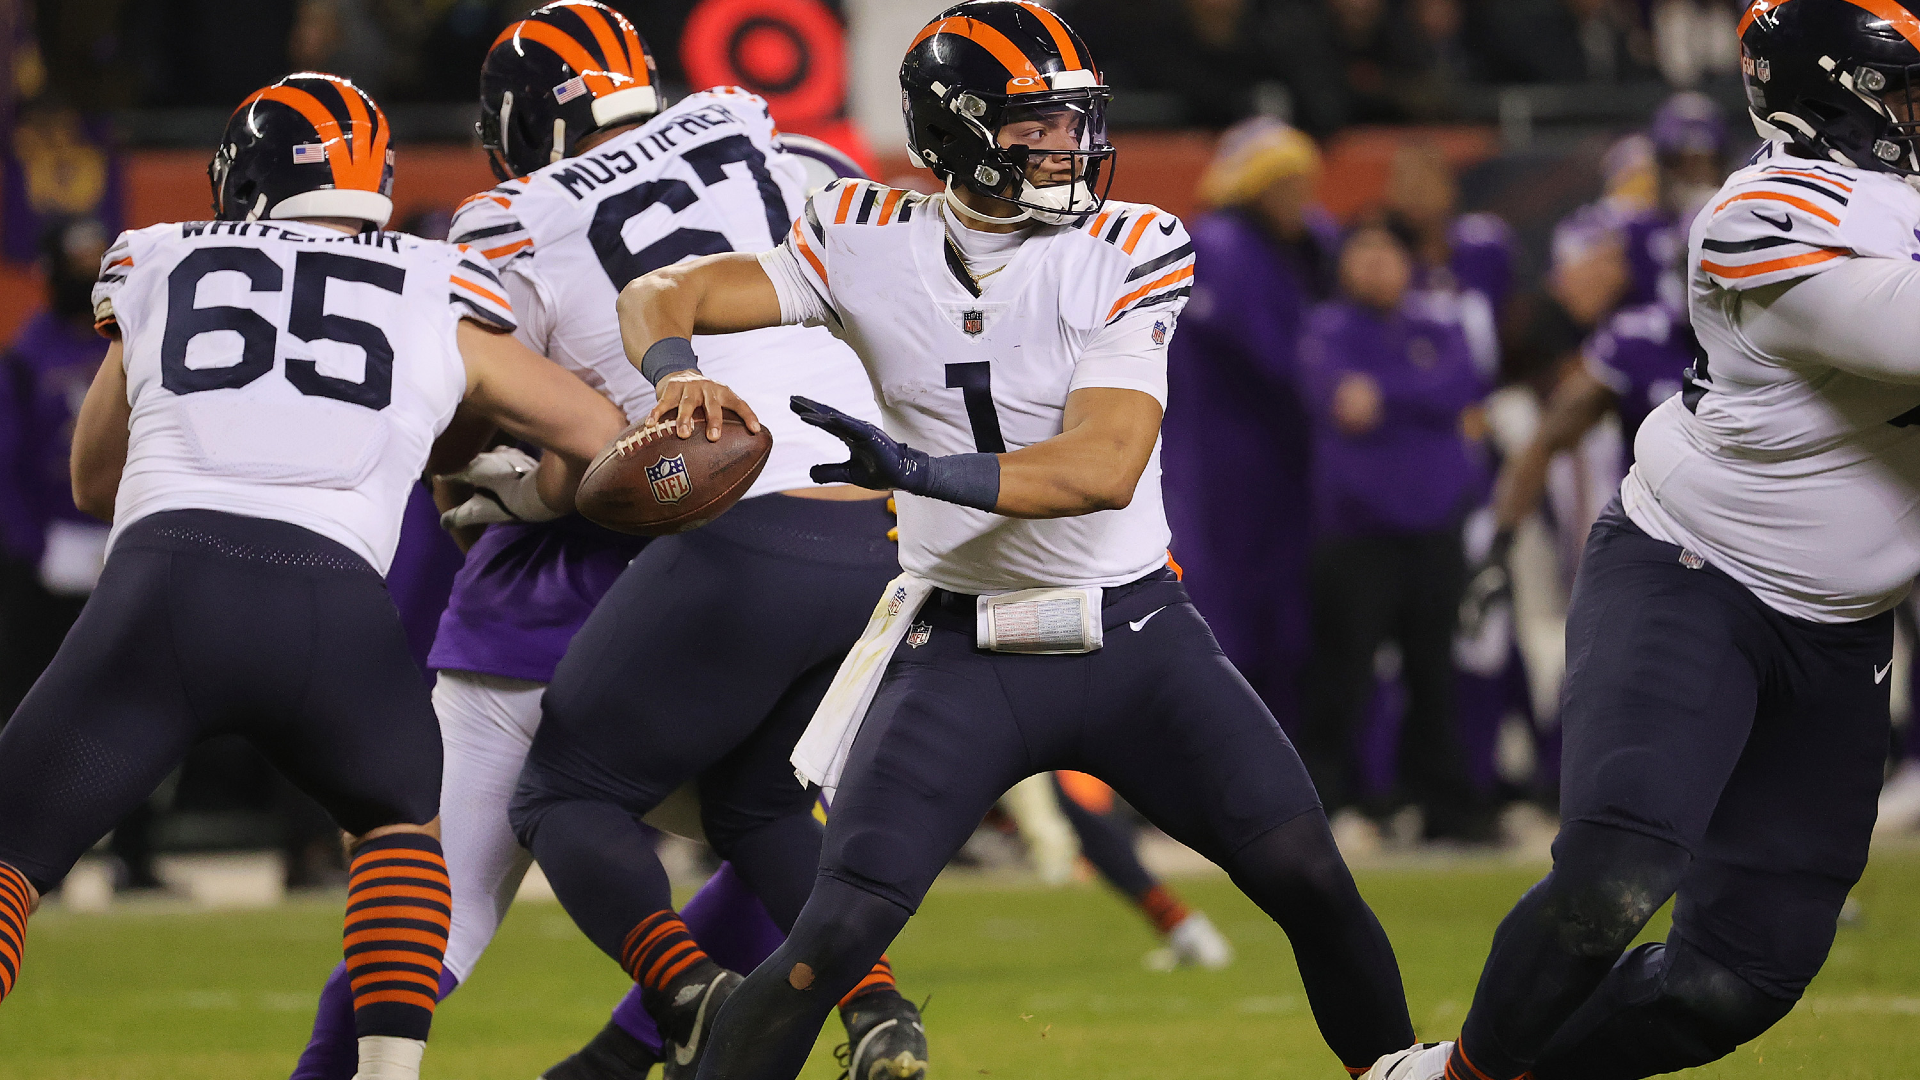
1421	1061
885	1039
698	1005
1193	942
611	1055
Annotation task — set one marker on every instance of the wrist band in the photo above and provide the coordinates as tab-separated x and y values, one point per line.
966	479
666	356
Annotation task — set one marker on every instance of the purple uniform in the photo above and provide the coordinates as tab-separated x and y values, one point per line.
524	592
1234	460
1656	244
45	376
1415	472
1640	354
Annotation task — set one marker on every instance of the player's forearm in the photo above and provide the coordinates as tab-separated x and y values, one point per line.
1576	405
558	480
1069	475
717	294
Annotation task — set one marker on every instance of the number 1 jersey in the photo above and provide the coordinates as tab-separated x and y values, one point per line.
289	371
703	177
968	364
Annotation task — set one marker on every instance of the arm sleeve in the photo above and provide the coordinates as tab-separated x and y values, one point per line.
532	308
1129	354
799	303
115	265
1862	316
490	224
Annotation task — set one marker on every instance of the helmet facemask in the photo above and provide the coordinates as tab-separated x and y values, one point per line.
1893	93
1062	139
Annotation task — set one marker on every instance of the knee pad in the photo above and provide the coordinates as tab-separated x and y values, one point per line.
1606	883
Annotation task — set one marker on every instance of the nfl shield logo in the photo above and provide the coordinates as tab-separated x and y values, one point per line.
972	322
669	479
1159	331
919	634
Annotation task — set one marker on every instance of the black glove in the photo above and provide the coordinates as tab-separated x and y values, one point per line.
881	462
1490	586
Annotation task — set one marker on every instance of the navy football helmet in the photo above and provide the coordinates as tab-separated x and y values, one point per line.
565	71
985	64
310	145
1836	78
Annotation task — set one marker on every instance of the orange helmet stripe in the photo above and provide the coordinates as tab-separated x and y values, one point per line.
609	42
354	163
572	52
995	42
1896	16
1062	39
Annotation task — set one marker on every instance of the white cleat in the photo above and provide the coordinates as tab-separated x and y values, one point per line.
1421	1061
1193	943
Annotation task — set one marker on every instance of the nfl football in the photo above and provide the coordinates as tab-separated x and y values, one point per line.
651	482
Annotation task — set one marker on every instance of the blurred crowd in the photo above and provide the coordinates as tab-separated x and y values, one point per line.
1324	63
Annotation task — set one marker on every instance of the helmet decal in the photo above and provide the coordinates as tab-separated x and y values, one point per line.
565	71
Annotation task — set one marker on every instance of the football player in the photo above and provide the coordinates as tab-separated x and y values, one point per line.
1015	328
529	582
1731	629
603	181
275	380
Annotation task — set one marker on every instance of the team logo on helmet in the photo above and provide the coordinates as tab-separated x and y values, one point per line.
669	479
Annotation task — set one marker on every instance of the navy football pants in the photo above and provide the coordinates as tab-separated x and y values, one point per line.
1161	716
704	662
1718	752
208	624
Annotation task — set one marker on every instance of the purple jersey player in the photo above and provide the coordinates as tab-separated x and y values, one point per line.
1235	424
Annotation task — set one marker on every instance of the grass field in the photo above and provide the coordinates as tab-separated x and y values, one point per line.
1025	983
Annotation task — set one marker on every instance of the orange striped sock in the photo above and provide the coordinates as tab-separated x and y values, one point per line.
1162	907
880	978
14	904
399	908
659	950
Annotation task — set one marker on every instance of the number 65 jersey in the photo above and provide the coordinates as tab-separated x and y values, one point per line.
288	371
963	364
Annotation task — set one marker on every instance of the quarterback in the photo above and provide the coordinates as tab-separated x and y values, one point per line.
1731	630
1015	330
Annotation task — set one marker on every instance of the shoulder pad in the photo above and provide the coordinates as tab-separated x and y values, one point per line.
489	223
1776	223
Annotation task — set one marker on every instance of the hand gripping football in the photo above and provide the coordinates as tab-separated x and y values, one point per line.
652	482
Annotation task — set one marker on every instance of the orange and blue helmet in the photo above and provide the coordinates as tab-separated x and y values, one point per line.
310	145
982	65
565	71
1829	75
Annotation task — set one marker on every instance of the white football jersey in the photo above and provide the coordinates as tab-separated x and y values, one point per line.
704	176
289	371
963	367
1798	478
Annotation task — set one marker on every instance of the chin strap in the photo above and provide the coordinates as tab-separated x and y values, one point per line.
986	219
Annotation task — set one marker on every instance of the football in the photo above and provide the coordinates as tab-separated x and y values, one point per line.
652	482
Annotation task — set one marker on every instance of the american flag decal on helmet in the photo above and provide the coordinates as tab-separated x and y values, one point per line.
669	479
312	153
569	90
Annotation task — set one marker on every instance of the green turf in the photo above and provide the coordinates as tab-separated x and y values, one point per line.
1025	983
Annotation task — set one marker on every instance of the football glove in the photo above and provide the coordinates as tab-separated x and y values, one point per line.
882	462
503	490
1490	586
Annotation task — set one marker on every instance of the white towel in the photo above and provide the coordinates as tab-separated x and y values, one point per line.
821	753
